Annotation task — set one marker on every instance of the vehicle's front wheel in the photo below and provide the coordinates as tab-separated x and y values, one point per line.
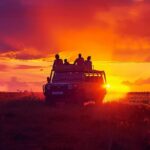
49	100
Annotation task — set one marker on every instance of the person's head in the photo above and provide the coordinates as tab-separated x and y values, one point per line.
48	79
89	58
79	55
57	56
65	60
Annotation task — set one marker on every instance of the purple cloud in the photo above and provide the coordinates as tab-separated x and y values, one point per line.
28	67
20	24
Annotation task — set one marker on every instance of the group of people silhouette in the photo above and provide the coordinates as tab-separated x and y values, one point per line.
78	61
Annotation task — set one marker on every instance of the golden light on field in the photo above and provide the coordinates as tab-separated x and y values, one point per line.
117	87
115	90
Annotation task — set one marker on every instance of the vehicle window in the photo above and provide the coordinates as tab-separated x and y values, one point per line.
68	76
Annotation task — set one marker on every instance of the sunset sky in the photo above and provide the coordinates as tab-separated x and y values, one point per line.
116	33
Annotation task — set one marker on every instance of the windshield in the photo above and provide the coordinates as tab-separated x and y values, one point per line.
67	77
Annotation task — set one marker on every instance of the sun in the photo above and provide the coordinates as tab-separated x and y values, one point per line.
107	86
116	91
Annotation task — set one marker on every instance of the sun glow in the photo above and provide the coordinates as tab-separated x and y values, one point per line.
107	86
116	90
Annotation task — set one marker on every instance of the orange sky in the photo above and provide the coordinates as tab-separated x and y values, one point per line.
115	33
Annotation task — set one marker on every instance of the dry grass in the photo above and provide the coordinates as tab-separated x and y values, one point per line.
27	123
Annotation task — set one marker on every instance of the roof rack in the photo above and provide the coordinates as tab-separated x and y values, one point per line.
74	68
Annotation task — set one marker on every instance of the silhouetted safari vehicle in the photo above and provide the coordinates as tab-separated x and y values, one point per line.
75	84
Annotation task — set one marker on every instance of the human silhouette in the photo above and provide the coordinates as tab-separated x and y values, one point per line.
57	61
66	62
79	61
48	79
88	63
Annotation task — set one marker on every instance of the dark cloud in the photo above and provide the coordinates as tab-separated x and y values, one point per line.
6	68
4	47
14	24
26	56
13	18
138	26
78	3
79	13
17	17
28	67
21	27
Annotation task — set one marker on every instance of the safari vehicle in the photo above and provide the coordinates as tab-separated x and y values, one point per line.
75	84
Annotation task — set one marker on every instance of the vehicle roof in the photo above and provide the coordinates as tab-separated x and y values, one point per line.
75	68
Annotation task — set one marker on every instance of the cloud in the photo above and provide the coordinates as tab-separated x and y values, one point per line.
13	18
4	47
28	67
14	84
19	29
27	54
7	68
138	82
46	27
4	68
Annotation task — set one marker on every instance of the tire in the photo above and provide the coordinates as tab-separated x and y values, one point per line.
50	100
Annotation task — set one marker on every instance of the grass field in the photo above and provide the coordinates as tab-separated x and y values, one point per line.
27	123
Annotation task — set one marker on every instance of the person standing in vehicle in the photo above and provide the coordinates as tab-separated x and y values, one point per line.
48	79
88	63
57	61
66	62
79	61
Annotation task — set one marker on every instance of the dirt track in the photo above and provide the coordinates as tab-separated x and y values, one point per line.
32	125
